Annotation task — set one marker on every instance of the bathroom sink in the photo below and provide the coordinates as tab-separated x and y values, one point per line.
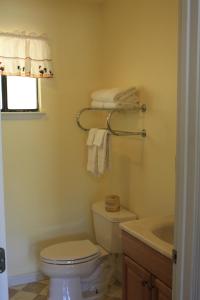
156	232
165	233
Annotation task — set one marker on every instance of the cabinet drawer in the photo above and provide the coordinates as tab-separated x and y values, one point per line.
156	263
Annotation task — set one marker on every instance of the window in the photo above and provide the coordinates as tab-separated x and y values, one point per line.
18	94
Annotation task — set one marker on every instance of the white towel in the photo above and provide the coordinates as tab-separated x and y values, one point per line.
91	136
113	95
92	152
98	151
120	105
102	142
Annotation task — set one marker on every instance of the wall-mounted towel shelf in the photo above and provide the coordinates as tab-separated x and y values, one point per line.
139	107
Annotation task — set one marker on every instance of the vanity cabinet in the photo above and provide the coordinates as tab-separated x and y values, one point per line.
135	281
160	291
147	274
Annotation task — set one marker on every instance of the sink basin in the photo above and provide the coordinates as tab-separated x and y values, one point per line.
165	233
156	232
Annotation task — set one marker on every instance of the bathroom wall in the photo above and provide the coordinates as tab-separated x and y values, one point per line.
140	49
38	152
83	59
95	44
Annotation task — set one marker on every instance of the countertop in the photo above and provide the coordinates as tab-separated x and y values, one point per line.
143	229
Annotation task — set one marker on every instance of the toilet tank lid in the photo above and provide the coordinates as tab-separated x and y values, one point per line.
118	217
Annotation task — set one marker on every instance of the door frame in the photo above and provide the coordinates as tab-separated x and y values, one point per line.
187	234
3	276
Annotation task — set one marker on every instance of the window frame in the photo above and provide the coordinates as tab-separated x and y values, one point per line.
5	98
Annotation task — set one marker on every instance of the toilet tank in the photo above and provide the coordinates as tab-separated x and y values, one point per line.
106	225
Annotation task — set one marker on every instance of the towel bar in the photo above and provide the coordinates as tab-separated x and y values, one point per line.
138	107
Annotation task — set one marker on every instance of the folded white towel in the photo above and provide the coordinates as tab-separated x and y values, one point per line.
120	105
115	94
98	151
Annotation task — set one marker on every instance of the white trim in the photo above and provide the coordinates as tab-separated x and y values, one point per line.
3	276
25	278
187	241
22	115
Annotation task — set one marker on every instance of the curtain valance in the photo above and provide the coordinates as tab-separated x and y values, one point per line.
25	55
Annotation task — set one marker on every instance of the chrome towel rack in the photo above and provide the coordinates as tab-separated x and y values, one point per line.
139	107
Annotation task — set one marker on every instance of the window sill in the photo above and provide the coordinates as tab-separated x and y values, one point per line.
22	115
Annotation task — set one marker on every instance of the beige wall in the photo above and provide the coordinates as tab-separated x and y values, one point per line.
140	48
83	59
118	43
47	190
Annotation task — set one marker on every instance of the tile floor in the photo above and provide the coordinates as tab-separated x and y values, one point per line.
39	291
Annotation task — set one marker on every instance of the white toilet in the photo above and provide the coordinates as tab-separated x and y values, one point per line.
68	263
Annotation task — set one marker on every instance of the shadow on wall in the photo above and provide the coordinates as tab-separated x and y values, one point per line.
122	167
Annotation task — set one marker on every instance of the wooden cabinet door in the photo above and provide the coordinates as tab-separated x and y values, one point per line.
160	291
136	279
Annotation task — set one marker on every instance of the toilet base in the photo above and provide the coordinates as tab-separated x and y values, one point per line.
65	289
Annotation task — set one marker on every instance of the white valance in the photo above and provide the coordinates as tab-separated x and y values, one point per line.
25	55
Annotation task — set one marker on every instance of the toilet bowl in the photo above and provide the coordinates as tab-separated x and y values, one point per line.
70	264
65	264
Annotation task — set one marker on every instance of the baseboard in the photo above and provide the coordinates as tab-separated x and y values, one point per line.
24	278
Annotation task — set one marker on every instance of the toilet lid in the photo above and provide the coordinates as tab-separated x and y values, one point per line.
70	252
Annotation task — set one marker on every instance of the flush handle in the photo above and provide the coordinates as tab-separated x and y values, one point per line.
2	260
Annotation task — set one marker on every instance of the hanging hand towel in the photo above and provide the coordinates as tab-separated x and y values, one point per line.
92	165
98	151
101	141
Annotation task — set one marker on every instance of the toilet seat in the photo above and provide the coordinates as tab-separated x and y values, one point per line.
68	253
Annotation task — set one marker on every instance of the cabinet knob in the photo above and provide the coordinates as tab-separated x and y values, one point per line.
147	284
144	283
